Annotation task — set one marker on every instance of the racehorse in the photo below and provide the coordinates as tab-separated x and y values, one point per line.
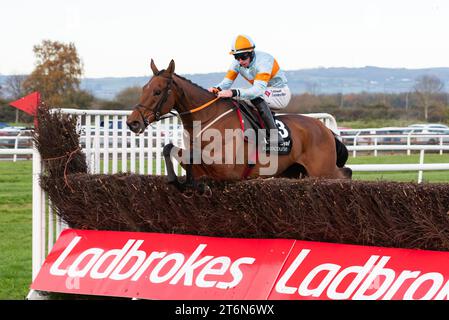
313	148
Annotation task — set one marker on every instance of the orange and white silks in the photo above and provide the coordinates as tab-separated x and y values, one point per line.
263	73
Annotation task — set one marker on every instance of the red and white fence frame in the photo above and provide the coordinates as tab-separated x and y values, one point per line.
113	148
110	148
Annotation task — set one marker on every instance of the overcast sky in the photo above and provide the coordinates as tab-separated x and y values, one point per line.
118	38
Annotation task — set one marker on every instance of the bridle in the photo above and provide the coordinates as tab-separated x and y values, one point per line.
159	106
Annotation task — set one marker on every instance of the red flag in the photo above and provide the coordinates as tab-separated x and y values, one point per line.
28	103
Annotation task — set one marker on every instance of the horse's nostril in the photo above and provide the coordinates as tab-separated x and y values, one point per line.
133	125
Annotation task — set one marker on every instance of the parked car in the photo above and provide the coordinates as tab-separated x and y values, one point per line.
427	130
429	126
429	136
393	135
362	136
9	135
9	131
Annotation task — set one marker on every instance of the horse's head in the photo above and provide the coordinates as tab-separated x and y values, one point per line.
156	100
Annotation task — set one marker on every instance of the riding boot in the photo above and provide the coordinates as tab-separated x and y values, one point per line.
267	118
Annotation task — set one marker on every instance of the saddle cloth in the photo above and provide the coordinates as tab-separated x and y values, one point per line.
251	120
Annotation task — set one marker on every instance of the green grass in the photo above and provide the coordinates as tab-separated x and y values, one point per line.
15	229
15	213
428	176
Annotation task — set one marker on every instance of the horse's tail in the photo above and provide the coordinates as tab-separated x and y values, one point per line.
342	152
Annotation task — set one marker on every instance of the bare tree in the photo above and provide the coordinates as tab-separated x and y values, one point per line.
426	87
14	89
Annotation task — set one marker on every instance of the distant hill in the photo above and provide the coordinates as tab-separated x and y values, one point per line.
318	80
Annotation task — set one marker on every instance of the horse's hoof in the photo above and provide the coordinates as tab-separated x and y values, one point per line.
347	172
207	192
204	190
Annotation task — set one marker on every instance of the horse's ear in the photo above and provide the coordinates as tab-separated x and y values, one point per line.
171	67
154	68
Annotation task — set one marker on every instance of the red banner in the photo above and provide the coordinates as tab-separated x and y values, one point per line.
170	266
162	266
316	270
28	103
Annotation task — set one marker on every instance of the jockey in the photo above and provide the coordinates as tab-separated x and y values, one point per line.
269	88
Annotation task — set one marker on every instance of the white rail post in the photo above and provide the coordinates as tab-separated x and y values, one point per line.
132	165
88	132
354	152
115	144
375	143
421	161
38	235
408	143
97	137
124	140
51	229
106	144
16	146
158	149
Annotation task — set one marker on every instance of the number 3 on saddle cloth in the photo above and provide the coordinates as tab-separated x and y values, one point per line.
250	119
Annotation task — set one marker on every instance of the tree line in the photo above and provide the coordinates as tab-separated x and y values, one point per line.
58	71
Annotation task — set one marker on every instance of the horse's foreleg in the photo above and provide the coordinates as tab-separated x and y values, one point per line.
171	175
190	181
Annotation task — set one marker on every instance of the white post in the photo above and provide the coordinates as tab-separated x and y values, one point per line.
38	236
114	144
149	139
354	153
124	145
106	144
408	143
441	144
132	165
158	148
175	141
142	153
375	144
43	223
51	224
16	146
97	138
421	161
88	143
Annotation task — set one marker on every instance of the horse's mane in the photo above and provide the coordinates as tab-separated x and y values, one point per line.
185	79
191	82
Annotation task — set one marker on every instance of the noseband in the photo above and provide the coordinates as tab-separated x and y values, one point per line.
159	106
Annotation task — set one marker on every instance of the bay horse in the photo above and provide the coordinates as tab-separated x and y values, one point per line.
313	148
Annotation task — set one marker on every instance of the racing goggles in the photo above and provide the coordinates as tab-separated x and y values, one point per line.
242	56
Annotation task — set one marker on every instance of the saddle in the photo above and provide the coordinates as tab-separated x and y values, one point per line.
252	121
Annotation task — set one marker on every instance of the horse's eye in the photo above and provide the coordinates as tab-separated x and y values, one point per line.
157	92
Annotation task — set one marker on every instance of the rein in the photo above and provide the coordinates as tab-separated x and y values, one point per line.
200	107
157	114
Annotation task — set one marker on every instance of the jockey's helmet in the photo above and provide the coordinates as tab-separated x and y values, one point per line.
242	43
